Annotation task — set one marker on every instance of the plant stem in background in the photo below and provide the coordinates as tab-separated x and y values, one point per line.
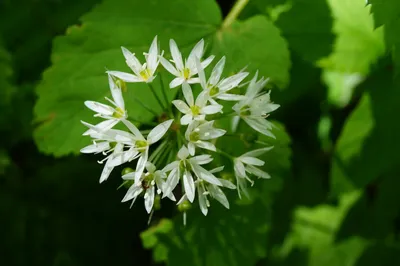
234	13
156	96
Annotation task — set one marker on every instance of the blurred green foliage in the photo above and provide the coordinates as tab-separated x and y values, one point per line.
334	195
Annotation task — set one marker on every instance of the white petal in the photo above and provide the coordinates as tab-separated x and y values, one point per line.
205	175
133	129
202	159
168	66
235	123
239	168
132	192
141	165
176	82
149	199
172	181
116	93
181	106
176	54
170	166
129	176
202	75
131	60
197	52
183	198
124	157
159	131
217	169
211	109
257	152
202	200
125	76
213	134
100	108
217	194
186	119
206	145
151	168
201	99
153	55
188	94
227	183
106	172
252	160
257	172
191	148
183	153
207	61
232	82
257	125
188	184
193	80
231	97
217	72
95	148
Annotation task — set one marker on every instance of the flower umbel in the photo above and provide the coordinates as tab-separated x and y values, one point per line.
178	153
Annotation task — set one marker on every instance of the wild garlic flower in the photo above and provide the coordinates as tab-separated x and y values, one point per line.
173	154
106	144
147	183
247	162
218	88
142	144
194	110
112	114
142	73
184	72
199	134
184	167
256	106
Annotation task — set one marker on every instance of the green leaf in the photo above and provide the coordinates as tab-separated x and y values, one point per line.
6	89
313	231
307	27
80	58
368	145
237	236
255	42
387	12
358	45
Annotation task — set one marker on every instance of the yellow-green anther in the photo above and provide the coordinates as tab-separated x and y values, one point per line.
119	113
186	73
141	145
195	110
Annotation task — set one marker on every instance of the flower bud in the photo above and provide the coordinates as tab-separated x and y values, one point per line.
184	206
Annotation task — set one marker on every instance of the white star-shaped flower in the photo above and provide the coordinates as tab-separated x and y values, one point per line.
199	134
246	163
142	73
194	110
184	167
256	107
141	145
148	183
112	114
106	143
218	88
185	72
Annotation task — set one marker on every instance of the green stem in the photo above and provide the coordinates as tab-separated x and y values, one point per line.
141	122
145	107
166	97
234	13
156	96
227	155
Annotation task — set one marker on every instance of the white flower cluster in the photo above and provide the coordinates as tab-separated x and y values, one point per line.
186	142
